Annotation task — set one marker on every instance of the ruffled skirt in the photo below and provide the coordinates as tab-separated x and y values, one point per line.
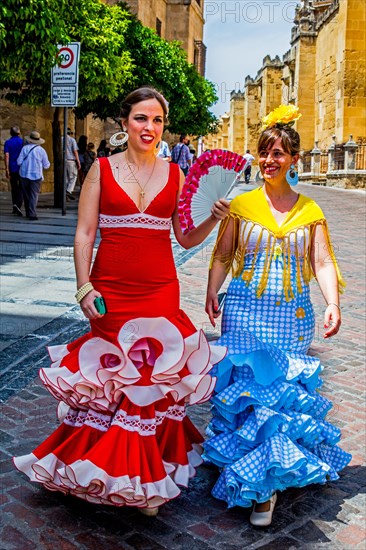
125	438
268	430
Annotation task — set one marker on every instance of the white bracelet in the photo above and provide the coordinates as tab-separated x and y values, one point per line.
83	291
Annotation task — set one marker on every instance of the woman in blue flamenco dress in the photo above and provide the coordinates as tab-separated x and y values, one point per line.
268	430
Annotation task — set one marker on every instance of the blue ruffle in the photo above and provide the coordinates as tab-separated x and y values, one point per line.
268	430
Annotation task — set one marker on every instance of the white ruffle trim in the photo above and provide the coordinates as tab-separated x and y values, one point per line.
85	480
107	372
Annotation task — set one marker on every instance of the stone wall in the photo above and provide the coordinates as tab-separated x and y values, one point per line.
148	11
236	135
329	66
323	73
354	72
185	24
345	181
251	117
269	79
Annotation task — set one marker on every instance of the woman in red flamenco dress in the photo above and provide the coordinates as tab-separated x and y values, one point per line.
125	438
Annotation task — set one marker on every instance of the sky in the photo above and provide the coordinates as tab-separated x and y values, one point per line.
238	35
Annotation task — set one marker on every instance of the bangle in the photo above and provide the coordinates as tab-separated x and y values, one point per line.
83	291
333	304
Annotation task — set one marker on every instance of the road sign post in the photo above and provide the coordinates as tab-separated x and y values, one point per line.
65	76
64	93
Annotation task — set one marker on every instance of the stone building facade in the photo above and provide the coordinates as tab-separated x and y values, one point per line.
172	19
323	73
180	20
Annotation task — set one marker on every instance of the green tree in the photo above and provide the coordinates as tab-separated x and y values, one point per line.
118	54
29	34
164	65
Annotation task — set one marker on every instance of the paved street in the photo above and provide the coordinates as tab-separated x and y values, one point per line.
38	309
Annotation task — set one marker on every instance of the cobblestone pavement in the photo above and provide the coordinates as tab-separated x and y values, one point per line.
331	516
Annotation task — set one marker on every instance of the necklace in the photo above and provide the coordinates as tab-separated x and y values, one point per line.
142	188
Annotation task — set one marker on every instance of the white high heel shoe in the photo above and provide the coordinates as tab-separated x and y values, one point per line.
263	519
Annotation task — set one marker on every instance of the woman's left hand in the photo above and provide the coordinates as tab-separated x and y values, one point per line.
332	320
220	209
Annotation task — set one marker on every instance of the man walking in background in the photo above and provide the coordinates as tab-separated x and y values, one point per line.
248	166
12	148
32	160
72	164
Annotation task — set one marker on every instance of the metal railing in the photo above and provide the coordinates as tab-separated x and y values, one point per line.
306	161
324	162
361	157
339	157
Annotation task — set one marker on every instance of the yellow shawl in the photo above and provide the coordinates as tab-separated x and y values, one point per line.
250	209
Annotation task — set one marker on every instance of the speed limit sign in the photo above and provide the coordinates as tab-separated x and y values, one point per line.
65	57
67	67
65	76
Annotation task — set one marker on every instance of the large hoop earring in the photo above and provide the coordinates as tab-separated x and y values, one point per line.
118	142
292	177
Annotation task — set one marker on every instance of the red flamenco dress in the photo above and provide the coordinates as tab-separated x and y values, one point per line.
126	439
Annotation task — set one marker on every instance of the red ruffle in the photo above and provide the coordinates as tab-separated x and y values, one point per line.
125	440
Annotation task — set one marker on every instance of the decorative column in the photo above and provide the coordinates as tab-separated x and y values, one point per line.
331	155
350	150
315	161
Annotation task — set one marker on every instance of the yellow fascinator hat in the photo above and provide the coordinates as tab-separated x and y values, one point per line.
284	115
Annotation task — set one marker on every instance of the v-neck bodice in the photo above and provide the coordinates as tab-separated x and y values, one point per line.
114	200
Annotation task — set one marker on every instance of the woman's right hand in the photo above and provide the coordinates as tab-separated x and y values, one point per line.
212	306
88	307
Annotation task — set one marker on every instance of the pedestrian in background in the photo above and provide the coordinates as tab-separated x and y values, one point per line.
82	143
164	151
248	166
181	154
268	431
32	161
192	151
89	157
72	164
103	150
12	148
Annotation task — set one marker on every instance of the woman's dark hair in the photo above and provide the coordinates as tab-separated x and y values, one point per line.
143	94
83	140
289	137
102	145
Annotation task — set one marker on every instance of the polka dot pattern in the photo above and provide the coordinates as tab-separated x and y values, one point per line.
268	430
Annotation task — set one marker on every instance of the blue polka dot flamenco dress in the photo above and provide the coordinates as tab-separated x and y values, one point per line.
268	430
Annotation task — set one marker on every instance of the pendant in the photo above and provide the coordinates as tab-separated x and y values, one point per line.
142	194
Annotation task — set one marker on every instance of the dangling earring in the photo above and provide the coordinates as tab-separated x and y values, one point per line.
157	148
292	177
259	178
118	142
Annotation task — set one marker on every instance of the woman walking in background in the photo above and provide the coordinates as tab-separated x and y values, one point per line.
89	158
82	142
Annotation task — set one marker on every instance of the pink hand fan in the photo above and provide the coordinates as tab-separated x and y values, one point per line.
211	177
